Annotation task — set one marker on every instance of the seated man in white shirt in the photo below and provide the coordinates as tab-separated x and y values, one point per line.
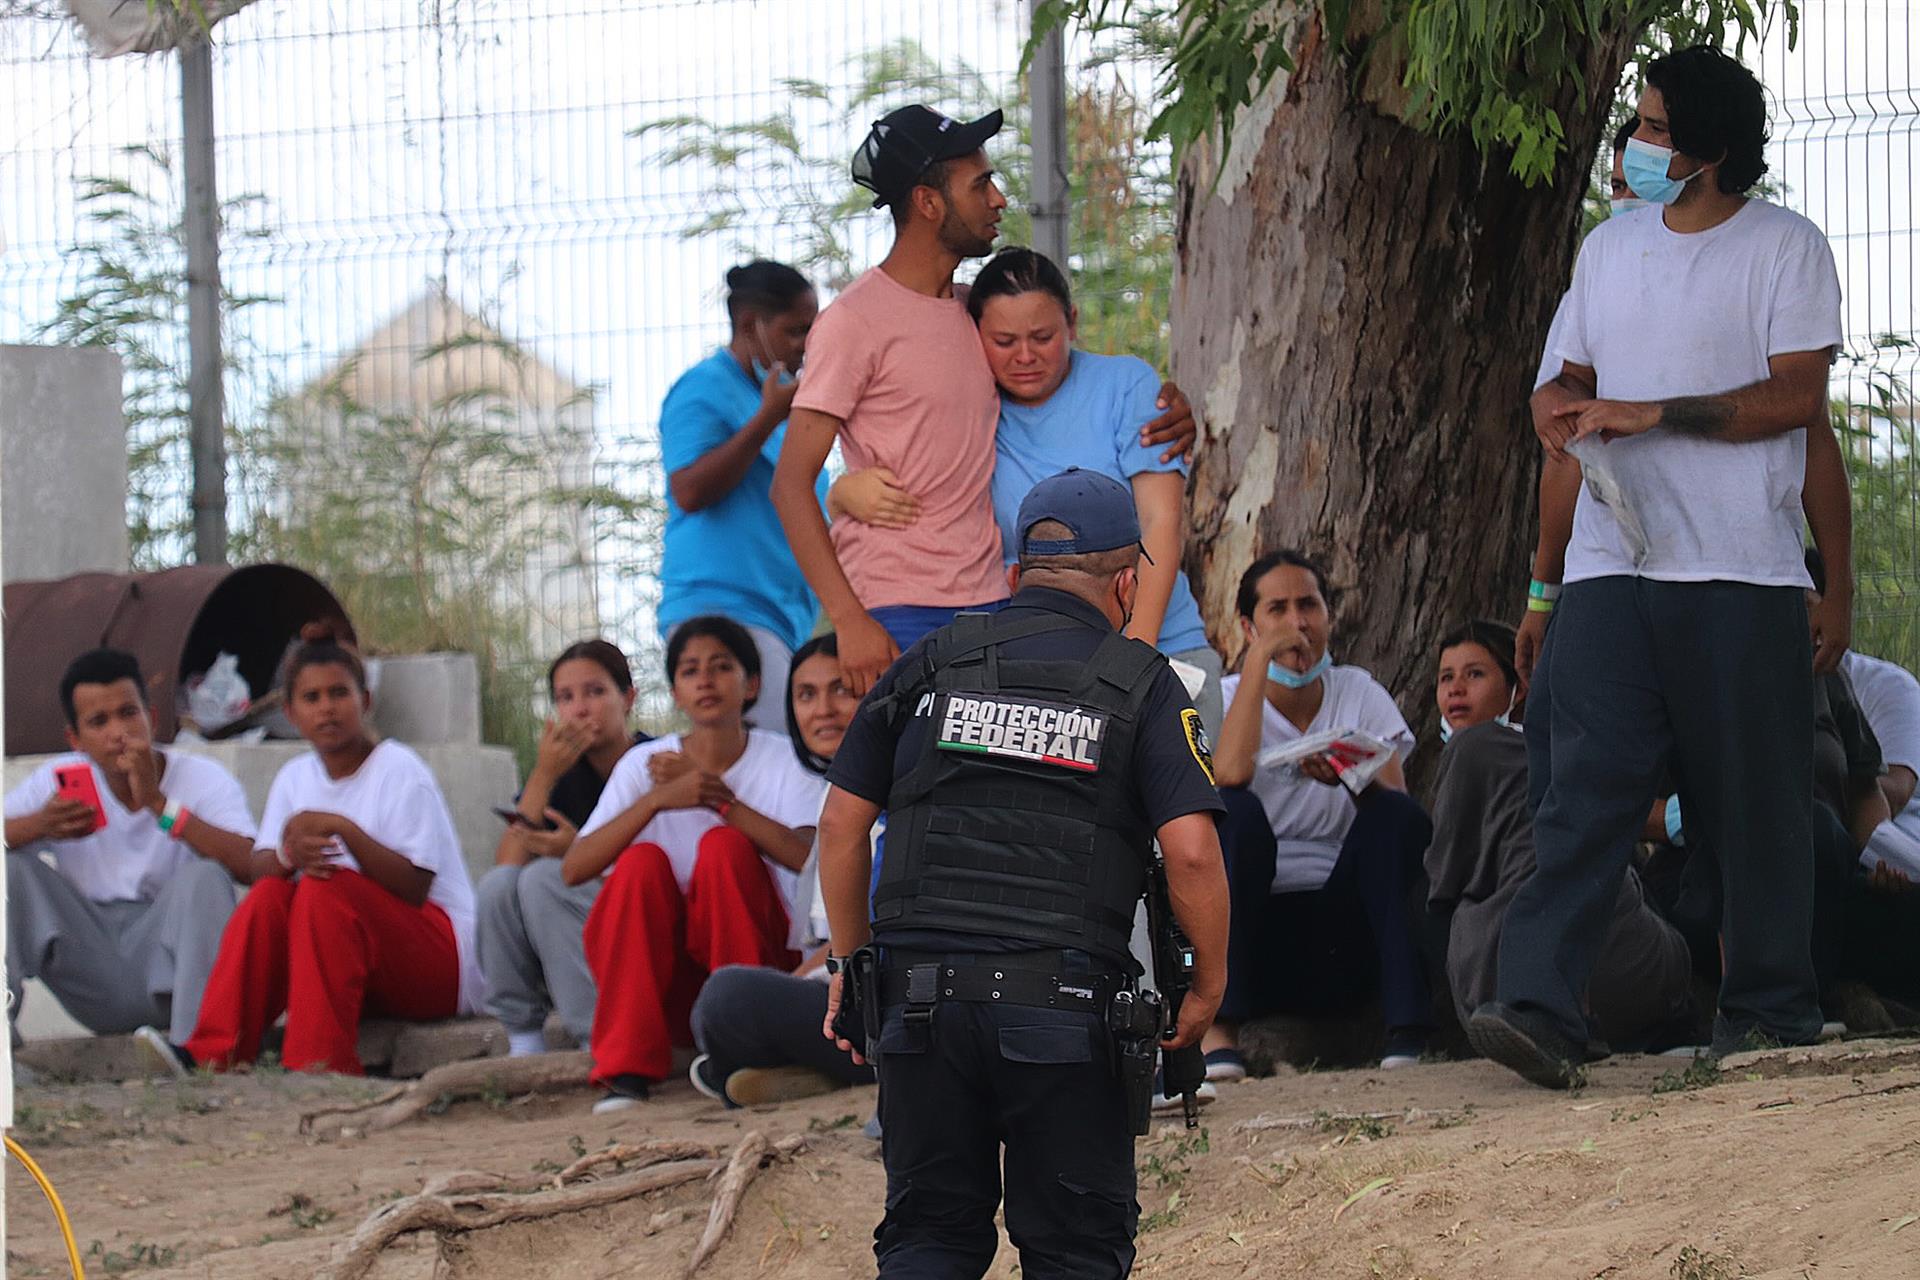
1321	879
145	844
1889	697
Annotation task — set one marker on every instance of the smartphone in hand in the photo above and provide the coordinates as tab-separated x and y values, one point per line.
75	782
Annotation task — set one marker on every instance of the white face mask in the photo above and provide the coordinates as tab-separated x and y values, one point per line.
1504	720
1626	204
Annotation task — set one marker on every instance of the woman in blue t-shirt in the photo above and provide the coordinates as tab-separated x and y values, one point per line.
1060	408
721	428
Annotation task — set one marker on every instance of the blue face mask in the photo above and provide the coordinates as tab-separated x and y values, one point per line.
1292	679
1645	168
1626	204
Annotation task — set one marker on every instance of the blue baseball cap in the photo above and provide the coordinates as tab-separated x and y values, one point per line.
1099	510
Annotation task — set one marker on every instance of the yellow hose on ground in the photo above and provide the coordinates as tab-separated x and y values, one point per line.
59	1210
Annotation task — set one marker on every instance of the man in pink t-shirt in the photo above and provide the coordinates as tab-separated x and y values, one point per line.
896	371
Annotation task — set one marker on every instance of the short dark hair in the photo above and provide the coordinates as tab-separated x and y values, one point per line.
934	175
1014	271
1624	133
763	287
1248	597
99	666
1716	110
734	637
321	647
602	653
1497	638
810	760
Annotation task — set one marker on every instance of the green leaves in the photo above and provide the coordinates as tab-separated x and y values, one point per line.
1489	67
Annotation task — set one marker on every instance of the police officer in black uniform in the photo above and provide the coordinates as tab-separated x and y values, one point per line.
1026	761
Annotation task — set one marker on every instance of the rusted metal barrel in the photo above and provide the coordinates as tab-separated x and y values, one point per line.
174	621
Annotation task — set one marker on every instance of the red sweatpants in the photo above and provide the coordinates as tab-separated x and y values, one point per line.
323	951
651	947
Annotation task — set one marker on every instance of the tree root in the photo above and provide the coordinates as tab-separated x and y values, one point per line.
472	1210
640	1155
754	1151
471	1078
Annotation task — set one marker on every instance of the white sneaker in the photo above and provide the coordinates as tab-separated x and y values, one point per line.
160	1053
1397	1061
1202	1096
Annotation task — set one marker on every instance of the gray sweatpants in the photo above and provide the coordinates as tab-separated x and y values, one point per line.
117	965
529	929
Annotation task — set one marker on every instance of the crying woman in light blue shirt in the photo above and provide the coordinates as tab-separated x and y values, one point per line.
1061	407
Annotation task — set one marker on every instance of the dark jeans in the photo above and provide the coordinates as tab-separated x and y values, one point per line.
909	623
1044	1083
754	1017
1715	677
1325	951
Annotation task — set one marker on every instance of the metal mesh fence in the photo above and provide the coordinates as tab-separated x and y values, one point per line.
458	249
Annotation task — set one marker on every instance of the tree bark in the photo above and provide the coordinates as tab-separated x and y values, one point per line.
1359	310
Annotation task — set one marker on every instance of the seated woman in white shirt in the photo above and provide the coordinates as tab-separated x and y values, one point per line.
1321	879
700	837
360	901
758	1029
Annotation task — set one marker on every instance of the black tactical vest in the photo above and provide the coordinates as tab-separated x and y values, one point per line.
1018	821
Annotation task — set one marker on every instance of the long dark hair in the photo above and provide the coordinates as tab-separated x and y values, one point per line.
603	654
810	760
732	636
1014	271
1497	638
1247	599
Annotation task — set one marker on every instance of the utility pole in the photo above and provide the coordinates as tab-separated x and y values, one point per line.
205	409
1052	188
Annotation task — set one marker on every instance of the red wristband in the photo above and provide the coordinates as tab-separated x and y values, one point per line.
722	808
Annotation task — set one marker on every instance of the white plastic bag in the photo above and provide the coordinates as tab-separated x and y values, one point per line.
220	697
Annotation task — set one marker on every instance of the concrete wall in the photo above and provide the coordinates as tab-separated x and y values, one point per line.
63	463
474	778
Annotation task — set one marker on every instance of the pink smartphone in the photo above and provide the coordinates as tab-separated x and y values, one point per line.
75	782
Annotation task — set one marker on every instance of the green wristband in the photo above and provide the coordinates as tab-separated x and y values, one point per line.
1537	605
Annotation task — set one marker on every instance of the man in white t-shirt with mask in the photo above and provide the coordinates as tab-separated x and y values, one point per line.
122	917
1694	347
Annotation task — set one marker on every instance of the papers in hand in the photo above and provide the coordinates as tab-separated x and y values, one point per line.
1355	756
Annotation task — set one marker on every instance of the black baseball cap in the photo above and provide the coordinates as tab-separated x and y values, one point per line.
1099	510
903	144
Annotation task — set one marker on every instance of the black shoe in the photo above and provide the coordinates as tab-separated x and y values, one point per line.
1528	1043
622	1092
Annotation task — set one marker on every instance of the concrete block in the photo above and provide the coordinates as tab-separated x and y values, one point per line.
63	463
427	697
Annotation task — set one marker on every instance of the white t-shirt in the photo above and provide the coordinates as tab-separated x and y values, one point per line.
131	857
1310	819
1889	697
767	778
392	797
1657	315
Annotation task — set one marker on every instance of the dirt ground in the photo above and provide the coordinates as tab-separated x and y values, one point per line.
1446	1170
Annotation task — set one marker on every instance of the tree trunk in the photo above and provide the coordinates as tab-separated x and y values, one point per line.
1359	310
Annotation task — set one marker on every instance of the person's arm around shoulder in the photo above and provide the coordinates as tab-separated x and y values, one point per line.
1161	498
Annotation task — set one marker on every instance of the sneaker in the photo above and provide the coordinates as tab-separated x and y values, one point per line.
1226	1066
622	1092
871	1129
167	1058
1403	1049
1527	1043
707	1080
764	1086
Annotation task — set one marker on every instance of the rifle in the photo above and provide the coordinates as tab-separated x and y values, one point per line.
1182	1071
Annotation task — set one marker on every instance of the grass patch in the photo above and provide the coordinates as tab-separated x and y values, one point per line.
1701	1073
1696	1264
136	1257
